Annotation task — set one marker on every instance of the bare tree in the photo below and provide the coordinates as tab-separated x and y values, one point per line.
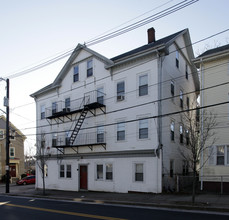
197	140
42	156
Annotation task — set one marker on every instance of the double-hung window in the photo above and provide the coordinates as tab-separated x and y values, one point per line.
42	112
100	95
54	107
100	134
121	91
89	68
121	131
143	128
68	171
177	59
181	99
67	104
1	134
186	71
139	174
143	85
76	73
172	127
62	170
220	155
12	152
181	134
99	171
172	88
54	139
109	172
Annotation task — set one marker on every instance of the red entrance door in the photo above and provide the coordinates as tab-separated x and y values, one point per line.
12	170
83	177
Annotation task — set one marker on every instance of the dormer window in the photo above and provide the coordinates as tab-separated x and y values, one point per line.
89	68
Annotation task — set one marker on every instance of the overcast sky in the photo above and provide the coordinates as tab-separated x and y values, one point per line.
34	31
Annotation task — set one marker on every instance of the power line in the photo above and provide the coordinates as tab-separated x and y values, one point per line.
121	31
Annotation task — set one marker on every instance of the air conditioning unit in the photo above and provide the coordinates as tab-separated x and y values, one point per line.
120	97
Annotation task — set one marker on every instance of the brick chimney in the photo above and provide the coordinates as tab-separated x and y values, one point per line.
151	35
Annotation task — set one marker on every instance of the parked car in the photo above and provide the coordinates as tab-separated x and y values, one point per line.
27	180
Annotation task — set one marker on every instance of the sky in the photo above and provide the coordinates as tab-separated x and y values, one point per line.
33	32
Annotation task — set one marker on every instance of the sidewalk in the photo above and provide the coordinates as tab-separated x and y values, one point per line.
206	202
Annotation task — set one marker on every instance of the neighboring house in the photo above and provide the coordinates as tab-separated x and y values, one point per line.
98	121
16	151
214	73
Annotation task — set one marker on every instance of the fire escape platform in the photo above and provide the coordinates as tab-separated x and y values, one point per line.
66	112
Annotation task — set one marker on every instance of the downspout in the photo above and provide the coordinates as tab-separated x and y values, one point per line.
202	104
159	128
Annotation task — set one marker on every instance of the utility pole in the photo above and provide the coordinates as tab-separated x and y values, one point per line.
6	104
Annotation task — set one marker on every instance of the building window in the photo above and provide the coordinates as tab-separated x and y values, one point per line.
54	139
89	68
181	98
100	134
177	59
143	85
181	134
186	71
42	112
100	95
187	102
220	155
109	172
76	74
139	175
172	125
12	134
67	105
67	138
171	168
69	171
227	154
121	131
120	91
143	128
1	134
62	170
187	136
54	108
99	170
172	88
12	152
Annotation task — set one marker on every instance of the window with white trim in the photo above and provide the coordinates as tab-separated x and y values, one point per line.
172	128
89	68
76	73
121	131
177	59
218	155
68	171
109	171
12	152
100	134
99	172
120	91
42	112
62	170
143	128
181	99
100	95
181	134
139	172
143	85
172	88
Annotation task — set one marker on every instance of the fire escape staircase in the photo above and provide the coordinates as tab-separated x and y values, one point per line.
78	125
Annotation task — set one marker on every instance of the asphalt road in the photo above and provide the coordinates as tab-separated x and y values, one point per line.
17	208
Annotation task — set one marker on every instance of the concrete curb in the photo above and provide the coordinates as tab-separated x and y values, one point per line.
202	207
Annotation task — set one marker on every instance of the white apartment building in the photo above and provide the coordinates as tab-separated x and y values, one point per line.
99	123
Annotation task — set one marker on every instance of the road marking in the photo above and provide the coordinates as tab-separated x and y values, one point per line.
64	212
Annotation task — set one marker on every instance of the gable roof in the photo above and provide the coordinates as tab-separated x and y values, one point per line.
215	51
2	117
156	44
161	44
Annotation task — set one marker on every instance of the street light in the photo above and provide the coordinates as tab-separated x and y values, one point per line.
6	104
